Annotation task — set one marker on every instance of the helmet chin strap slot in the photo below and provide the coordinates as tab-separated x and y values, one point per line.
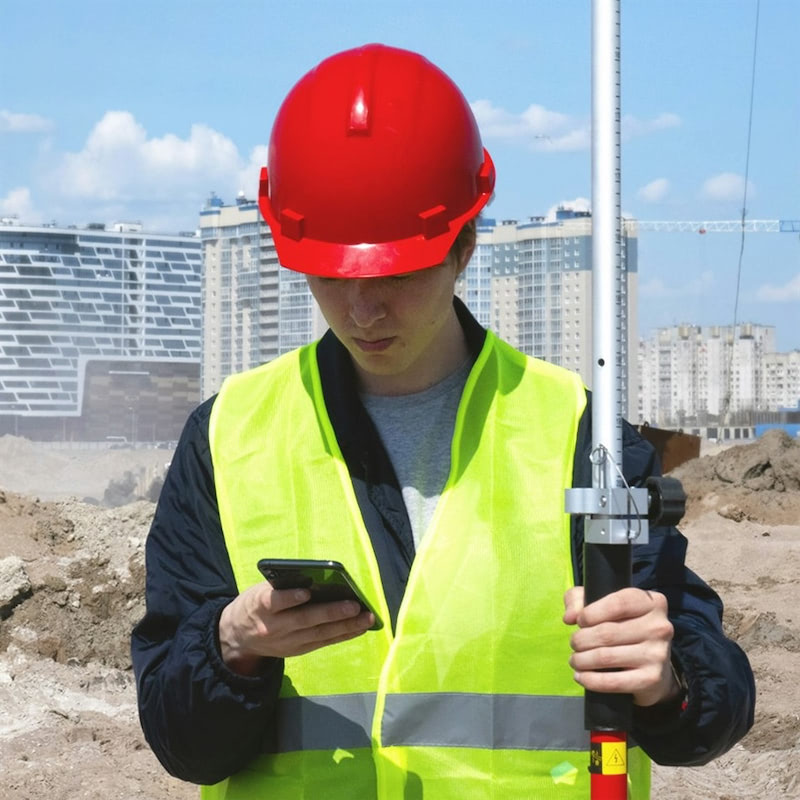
292	224
434	221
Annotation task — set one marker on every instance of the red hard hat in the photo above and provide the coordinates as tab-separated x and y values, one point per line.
375	163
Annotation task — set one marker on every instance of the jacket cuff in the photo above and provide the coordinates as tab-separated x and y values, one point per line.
667	717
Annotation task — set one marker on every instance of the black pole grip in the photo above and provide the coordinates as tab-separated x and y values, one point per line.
606	569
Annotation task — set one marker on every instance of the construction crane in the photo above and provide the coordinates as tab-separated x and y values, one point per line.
718	226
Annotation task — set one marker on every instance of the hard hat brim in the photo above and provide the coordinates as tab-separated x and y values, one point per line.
302	253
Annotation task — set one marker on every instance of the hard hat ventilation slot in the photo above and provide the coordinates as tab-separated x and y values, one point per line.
486	176
359	114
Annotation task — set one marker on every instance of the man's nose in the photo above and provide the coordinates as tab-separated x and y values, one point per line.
367	304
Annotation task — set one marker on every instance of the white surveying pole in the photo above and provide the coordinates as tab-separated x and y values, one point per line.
608	318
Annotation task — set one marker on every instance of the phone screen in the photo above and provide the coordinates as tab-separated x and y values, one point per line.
327	581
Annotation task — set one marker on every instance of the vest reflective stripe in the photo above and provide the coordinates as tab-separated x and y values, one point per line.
492	722
518	722
325	722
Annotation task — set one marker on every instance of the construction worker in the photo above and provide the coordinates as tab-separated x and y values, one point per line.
430	458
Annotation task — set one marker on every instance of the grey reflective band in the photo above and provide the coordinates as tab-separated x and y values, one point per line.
485	721
324	722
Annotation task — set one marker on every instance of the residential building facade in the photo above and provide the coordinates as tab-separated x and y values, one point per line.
531	282
781	380
701	375
99	332
253	310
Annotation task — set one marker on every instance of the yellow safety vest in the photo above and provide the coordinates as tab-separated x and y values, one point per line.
472	696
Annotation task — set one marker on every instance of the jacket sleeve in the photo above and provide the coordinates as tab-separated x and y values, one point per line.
720	701
203	721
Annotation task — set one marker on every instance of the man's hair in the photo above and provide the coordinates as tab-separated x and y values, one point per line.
465	240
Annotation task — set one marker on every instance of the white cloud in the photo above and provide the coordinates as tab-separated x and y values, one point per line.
543	129
120	163
11	122
633	126
18	203
656	288
655	191
727	186
789	292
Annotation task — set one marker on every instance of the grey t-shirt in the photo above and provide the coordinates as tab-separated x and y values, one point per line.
417	432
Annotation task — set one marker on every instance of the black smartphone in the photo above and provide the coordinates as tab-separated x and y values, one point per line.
326	580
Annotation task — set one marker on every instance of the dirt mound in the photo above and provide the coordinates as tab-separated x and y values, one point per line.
82	582
72	585
759	482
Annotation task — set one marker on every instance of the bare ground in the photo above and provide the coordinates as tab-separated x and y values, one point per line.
71	587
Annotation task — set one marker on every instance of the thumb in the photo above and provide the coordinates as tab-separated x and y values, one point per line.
573	604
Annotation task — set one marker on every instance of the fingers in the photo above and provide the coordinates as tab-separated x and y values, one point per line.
622	626
323	621
644	681
274	600
623	604
310	639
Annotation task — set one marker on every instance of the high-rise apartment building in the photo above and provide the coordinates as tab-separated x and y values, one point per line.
252	309
781	380
99	331
698	375
531	282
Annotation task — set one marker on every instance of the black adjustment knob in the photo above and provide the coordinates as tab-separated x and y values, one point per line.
666	501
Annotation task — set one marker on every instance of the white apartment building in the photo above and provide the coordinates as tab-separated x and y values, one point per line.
253	310
781	380
99	331
697	375
531	282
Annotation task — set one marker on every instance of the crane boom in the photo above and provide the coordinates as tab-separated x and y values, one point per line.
718	226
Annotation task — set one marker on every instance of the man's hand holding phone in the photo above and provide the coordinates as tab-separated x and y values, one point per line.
263	622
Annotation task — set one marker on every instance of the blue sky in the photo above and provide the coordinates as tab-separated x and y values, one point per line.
137	111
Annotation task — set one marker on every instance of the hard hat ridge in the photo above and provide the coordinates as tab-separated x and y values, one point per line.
375	163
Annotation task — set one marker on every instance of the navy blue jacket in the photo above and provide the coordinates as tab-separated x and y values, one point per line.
204	722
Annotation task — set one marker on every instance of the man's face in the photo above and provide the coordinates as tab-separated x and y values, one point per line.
401	331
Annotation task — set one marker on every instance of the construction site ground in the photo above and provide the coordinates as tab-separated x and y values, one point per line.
71	587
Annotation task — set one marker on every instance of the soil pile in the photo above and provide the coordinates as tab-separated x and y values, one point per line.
759	482
71	589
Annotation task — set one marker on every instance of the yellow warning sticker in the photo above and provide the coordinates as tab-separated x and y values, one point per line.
615	758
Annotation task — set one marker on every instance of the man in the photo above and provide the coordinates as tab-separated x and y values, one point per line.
431	459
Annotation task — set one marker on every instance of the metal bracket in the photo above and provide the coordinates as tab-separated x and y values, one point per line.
613	516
